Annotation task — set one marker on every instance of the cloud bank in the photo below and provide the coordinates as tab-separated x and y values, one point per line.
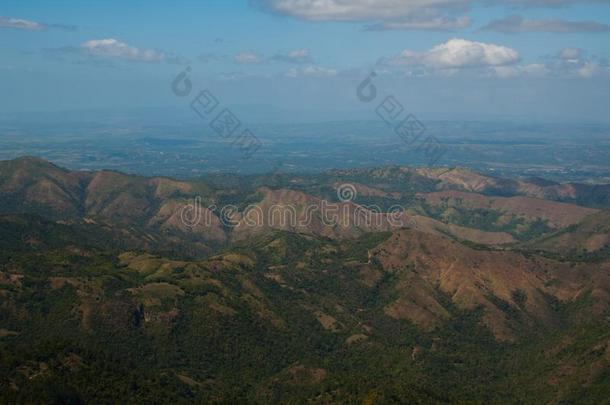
517	24
113	48
248	57
18	23
431	24
298	56
27	25
439	15
385	14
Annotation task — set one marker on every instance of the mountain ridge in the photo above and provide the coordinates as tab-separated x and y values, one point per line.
99	268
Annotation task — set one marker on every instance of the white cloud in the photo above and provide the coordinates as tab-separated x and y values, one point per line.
571	54
385	14
549	3
532	70
17	23
232	76
576	62
589	69
426	14
296	56
460	53
356	10
516	24
311	71
248	57
210	57
21	24
569	62
431	24
391	10
299	54
113	48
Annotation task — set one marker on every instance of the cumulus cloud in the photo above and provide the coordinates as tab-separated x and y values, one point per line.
296	56
568	62
112	48
516	24
459	54
576	62
106	52
460	57
248	57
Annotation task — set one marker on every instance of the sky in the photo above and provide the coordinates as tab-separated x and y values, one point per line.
534	59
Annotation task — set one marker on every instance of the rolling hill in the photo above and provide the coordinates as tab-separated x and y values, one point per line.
106	293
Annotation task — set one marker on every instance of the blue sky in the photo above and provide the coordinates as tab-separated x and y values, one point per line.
537	58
